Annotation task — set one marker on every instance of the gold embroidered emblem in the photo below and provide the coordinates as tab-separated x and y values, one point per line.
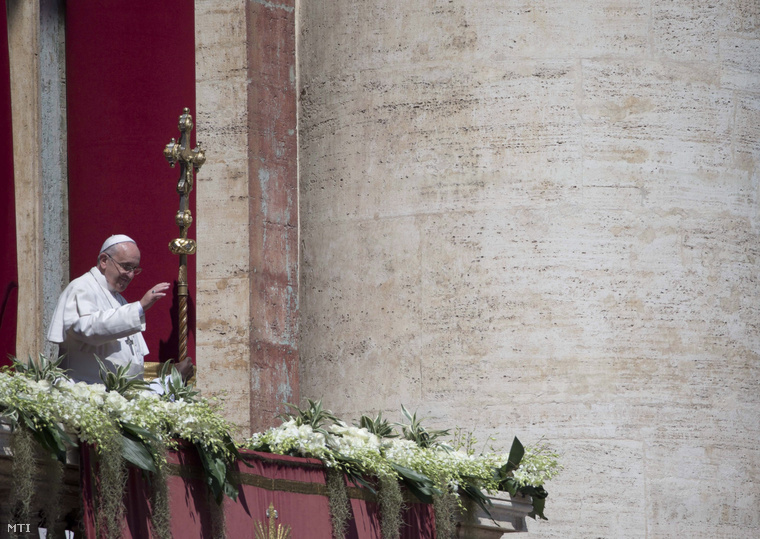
273	532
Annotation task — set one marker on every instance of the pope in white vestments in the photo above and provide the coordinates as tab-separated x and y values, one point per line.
92	318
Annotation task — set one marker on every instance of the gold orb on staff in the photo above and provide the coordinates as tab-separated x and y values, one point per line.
190	162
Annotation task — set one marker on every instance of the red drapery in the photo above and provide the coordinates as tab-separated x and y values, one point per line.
8	259
295	487
130	70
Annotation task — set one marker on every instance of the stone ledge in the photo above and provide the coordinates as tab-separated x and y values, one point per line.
508	512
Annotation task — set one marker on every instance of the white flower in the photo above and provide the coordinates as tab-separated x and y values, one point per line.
97	389
43	385
116	402
355	436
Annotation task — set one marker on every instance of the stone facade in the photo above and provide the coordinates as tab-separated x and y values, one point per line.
522	218
541	219
247	318
223	226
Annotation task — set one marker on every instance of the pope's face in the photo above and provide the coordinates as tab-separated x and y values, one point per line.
125	255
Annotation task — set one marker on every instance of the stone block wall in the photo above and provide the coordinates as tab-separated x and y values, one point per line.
541	219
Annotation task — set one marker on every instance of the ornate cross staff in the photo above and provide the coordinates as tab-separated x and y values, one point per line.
189	160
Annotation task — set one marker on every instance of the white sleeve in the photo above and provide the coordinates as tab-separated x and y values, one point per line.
89	323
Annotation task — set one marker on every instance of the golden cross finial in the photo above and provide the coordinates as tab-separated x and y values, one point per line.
190	161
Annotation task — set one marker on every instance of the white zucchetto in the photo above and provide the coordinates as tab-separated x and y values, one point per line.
113	240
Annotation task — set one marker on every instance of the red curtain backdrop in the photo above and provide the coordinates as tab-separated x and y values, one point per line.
130	70
8	260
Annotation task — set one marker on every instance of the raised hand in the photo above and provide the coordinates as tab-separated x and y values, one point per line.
153	295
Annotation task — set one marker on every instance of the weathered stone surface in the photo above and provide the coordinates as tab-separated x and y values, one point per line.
273	206
26	116
223	228
247	208
542	220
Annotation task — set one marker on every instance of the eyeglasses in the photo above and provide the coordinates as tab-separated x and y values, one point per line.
126	269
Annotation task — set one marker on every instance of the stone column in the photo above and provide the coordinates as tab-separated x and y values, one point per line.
55	225
222	220
542	219
273	209
247	205
23	38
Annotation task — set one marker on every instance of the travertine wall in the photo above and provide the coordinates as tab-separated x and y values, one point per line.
247	202
541	219
23	42
223	223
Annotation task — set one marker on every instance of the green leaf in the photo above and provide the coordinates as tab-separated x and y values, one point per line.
503	475
516	454
423	494
42	369
137	432
412	474
120	381
415	432
174	388
313	415
217	477
231	490
478	497
50	440
358	480
538	495
352	468
509	485
134	451
538	508
419	484
378	426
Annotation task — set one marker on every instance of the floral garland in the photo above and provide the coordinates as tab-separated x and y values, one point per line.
122	421
415	457
58	412
538	465
93	414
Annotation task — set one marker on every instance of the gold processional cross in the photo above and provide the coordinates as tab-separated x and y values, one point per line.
190	160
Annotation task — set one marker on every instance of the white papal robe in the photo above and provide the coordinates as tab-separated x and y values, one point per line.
91	320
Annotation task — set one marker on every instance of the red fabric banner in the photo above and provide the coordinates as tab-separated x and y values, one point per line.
130	71
295	487
8	260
